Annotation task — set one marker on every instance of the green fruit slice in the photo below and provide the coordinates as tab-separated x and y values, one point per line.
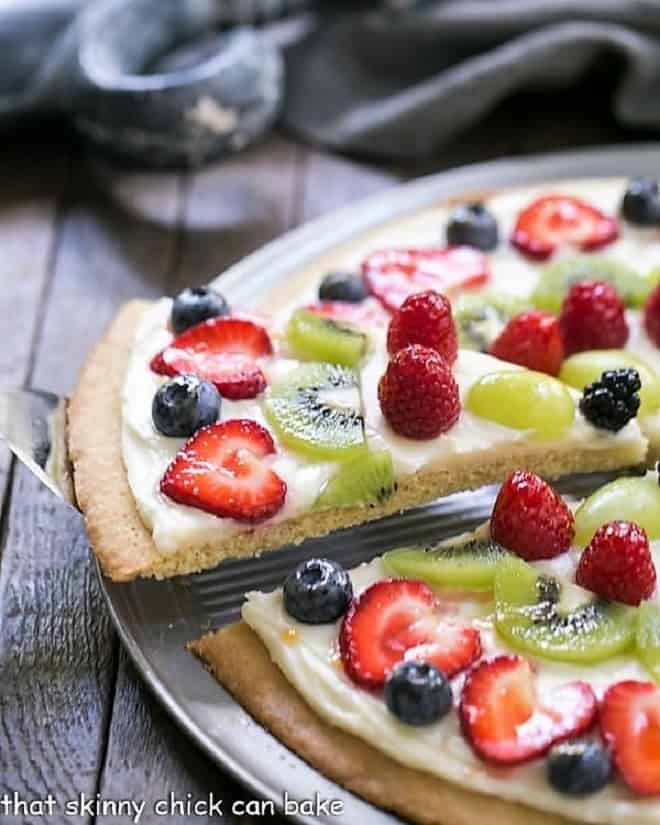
315	409
627	499
316	338
586	367
523	400
367	479
466	564
648	638
558	620
480	317
557	278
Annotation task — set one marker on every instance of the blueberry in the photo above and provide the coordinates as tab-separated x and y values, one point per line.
472	224
317	591
343	286
641	202
196	304
579	768
418	693
184	404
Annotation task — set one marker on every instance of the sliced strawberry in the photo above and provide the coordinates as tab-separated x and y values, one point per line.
365	315
221	470
394	274
507	722
560	219
397	619
221	350
630	723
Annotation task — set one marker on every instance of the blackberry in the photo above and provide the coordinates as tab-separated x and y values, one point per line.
613	401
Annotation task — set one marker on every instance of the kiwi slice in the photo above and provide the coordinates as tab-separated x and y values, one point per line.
366	480
482	316
557	278
315	409
316	338
557	620
467	563
648	638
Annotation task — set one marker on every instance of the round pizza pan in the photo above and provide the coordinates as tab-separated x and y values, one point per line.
155	620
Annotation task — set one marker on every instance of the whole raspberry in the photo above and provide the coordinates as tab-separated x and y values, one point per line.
424	318
533	340
617	563
593	316
531	519
652	316
418	395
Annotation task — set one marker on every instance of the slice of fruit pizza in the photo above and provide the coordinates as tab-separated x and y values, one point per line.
240	433
507	675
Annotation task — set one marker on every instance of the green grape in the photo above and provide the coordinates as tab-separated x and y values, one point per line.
648	638
523	400
626	499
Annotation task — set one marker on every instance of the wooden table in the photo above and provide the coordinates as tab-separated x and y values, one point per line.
77	238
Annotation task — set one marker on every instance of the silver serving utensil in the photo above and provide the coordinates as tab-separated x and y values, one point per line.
33	423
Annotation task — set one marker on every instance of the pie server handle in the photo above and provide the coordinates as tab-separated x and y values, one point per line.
34	423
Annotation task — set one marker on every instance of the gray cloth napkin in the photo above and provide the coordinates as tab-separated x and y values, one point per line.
400	84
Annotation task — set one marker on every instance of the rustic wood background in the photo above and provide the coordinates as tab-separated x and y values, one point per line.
78	236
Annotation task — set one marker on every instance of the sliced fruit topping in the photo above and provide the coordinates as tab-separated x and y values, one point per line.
417	693
418	395
507	721
531	519
558	620
648	638
641	202
394	274
469	564
397	619
426	319
523	400
630	724
342	286
617	564
614	400
222	351
472	224
481	317
315	409
362	481
557	278
632	499
652	316
585	368
533	340
183	405
194	305
365	316
556	220
222	471
316	338
593	317
579	768
318	591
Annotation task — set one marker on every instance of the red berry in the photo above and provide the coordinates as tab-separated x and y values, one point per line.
593	316
507	722
222	471
630	724
617	563
554	220
365	315
398	619
394	274
426	319
652	316
531	519
533	340
418	394
221	350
